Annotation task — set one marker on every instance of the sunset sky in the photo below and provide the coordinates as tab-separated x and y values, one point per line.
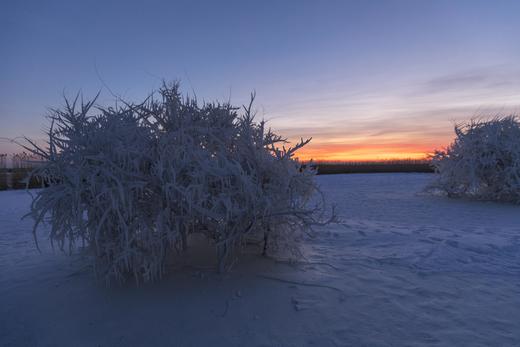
365	79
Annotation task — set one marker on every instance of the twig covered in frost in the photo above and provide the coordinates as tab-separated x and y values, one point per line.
133	182
483	162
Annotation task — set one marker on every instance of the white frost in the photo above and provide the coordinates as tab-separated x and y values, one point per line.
483	162
132	184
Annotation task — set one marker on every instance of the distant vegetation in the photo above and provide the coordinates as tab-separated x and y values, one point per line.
13	178
15	169
349	167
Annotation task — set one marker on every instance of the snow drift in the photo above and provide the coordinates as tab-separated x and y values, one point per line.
131	183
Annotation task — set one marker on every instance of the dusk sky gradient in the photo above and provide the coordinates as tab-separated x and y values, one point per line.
365	79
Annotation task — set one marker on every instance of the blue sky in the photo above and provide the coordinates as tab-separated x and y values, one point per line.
372	79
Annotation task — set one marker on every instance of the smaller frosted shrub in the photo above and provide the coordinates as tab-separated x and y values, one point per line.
133	183
483	162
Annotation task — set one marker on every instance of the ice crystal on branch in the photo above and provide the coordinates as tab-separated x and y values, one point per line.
134	182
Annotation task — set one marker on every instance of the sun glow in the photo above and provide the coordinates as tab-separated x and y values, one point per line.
340	152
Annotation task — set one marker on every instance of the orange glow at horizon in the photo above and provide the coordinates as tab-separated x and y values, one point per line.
365	152
368	143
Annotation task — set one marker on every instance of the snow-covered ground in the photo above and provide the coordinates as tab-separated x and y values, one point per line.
403	269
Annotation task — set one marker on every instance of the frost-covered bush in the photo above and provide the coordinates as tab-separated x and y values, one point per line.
131	183
483	162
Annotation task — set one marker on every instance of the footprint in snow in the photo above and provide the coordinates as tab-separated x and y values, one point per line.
301	304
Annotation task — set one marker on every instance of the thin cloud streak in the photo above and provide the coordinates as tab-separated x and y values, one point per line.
416	119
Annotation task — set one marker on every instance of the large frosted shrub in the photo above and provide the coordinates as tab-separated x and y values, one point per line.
483	162
131	183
